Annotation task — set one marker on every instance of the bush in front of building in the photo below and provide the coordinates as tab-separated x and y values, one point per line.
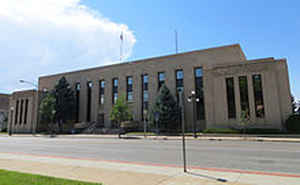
130	126
293	124
168	109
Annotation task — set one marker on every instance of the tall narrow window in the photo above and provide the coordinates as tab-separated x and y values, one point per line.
21	112
200	110
115	90
145	94
101	91
161	79
26	111
258	96
77	92
179	82
129	89
89	101
243	83
230	98
17	112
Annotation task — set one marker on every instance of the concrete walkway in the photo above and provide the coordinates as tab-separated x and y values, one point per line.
128	173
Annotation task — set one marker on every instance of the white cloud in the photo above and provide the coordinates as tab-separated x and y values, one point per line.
49	36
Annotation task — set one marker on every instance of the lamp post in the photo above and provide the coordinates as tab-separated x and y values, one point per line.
27	82
193	99
182	129
11	120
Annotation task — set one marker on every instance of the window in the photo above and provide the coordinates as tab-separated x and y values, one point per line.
115	90
243	83
129	89
179	82
21	112
145	94
200	110
258	96
161	79
101	91
17	112
26	111
89	101
230	98
77	94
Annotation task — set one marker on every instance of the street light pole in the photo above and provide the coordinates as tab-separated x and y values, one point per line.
27	82
182	129
193	99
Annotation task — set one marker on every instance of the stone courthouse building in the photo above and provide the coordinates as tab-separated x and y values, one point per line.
225	81
4	106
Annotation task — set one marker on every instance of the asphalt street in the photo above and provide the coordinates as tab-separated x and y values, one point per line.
258	156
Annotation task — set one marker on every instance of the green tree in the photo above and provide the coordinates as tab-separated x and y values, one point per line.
65	102
47	109
120	111
168	109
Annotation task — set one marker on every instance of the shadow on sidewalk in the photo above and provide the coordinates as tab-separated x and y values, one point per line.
207	177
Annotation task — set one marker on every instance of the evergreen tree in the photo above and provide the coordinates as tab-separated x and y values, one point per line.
65	102
120	111
168	109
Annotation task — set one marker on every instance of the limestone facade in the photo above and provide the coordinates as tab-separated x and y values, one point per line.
23	112
216	64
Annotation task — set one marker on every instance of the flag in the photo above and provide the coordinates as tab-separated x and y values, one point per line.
121	36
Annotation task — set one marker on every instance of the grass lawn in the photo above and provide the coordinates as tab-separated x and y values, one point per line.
16	178
140	134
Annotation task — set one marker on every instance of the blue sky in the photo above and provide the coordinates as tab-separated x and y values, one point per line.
263	28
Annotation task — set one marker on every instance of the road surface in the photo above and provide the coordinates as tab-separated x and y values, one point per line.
258	156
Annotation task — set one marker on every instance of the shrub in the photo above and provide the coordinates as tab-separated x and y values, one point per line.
129	124
221	131
293	124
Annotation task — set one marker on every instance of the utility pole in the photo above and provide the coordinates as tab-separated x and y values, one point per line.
121	46
176	41
182	129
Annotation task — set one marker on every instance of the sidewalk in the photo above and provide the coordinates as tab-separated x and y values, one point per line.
219	137
126	173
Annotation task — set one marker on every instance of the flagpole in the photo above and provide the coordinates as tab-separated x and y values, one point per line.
121	46
176	41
